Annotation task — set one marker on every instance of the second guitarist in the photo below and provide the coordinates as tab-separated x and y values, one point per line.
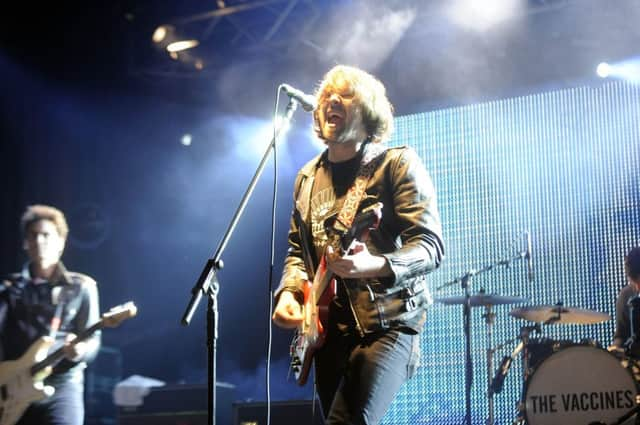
375	319
46	299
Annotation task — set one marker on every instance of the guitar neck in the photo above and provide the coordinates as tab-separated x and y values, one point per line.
321	281
369	218
56	356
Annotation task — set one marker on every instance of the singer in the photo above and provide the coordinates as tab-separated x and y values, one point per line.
375	318
624	327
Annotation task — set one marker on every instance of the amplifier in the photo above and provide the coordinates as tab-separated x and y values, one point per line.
100	378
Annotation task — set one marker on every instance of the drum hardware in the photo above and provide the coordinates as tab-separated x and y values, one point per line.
633	306
482	299
489	319
496	384
559	314
623	419
465	284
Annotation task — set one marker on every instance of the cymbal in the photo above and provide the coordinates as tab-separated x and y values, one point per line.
482	299
550	314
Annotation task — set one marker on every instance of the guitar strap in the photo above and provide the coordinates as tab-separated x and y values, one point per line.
371	158
60	296
309	264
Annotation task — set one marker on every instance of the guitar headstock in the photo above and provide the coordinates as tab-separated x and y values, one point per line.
368	219
119	314
373	213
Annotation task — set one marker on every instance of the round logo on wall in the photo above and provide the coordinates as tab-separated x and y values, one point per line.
89	226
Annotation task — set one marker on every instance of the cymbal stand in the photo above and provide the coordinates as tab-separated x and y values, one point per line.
465	282
467	337
525	331
489	319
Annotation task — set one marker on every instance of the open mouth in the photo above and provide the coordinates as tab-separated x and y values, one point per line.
335	117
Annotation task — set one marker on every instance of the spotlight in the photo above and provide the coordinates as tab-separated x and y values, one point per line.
162	33
186	140
603	70
178	46
166	38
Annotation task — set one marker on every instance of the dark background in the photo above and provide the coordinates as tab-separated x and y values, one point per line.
92	114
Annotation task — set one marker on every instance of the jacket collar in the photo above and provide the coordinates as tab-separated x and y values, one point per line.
60	275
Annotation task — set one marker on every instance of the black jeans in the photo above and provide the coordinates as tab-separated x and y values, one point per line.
64	407
358	378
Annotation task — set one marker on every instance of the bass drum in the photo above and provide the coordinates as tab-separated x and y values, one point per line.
539	349
579	385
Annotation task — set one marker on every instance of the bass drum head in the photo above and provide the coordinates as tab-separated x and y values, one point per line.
579	385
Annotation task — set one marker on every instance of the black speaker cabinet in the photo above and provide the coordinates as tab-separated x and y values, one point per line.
179	405
100	379
282	413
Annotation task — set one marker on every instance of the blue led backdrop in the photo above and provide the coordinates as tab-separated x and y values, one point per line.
564	166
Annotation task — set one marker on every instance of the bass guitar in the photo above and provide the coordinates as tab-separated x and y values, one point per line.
22	380
311	333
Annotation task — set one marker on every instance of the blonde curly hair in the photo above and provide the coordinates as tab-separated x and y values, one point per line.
371	97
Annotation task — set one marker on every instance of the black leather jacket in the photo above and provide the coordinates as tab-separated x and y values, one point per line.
409	236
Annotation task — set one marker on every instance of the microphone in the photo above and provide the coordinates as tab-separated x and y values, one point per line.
307	101
528	254
501	373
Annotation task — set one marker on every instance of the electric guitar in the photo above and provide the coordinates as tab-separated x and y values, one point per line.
22	380
311	333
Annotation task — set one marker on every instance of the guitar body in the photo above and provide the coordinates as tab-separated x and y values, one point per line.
18	387
22	380
311	333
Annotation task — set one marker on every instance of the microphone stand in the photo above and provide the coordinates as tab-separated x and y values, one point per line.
464	282
208	284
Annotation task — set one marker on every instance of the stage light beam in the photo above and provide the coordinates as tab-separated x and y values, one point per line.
626	70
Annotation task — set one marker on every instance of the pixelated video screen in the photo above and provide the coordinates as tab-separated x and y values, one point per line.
563	166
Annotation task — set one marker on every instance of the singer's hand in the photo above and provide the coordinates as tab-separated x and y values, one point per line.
358	263
288	311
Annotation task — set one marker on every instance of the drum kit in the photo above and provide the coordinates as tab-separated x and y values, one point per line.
563	382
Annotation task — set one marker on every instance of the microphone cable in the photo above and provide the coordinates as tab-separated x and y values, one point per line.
272	256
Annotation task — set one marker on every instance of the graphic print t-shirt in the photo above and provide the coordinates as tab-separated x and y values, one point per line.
332	181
